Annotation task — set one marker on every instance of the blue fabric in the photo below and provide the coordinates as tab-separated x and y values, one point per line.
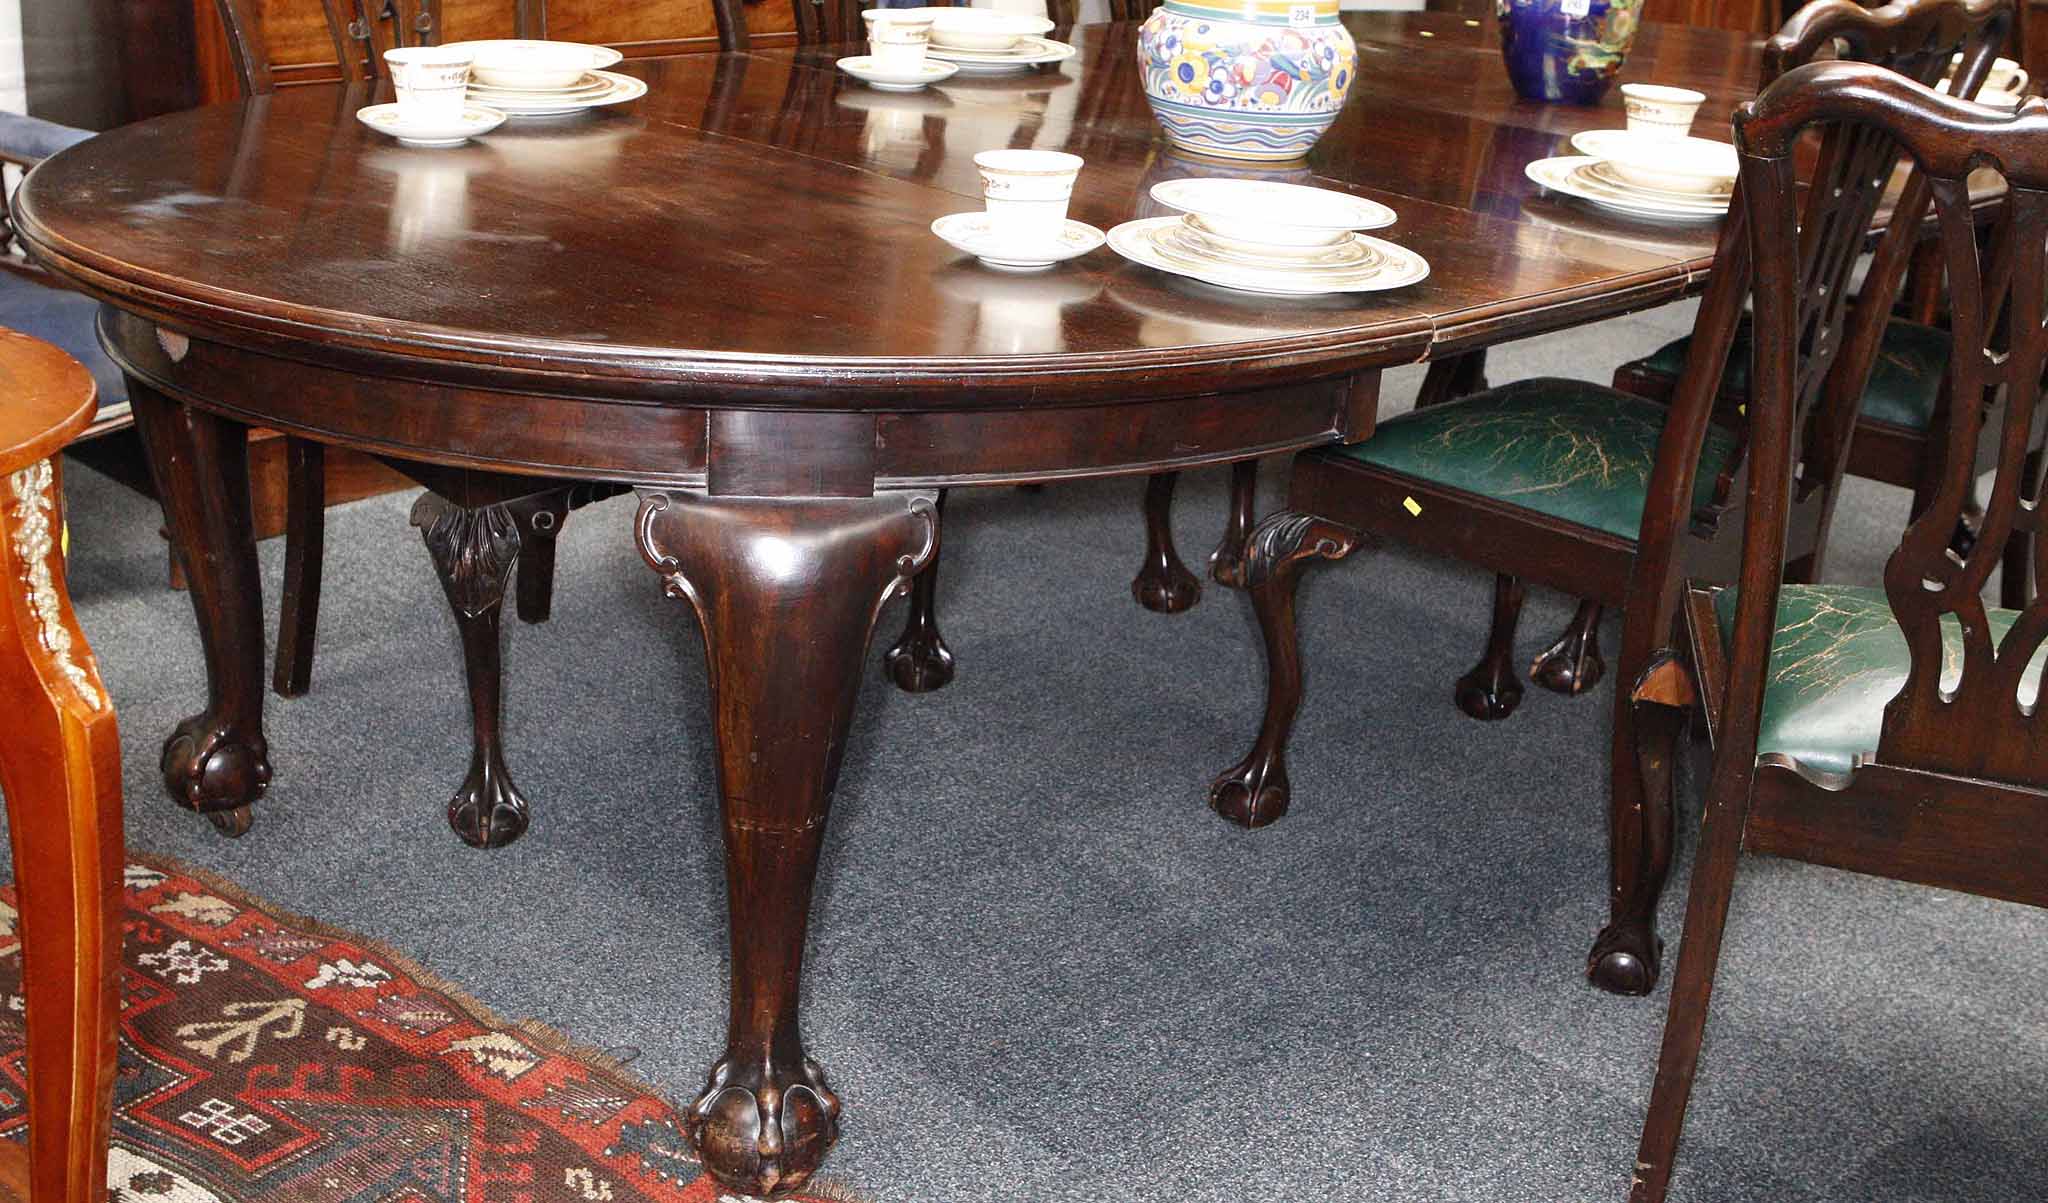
26	137
65	318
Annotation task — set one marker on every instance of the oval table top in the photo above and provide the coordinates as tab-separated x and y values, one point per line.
755	231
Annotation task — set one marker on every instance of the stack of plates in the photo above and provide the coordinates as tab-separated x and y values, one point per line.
1682	179
1257	236
1026	53
526	78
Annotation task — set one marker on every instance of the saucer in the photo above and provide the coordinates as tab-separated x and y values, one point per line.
1028	52
1156	243
978	235
891	79
475	119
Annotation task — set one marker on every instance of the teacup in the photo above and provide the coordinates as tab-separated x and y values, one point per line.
431	82
898	38
1656	111
1026	191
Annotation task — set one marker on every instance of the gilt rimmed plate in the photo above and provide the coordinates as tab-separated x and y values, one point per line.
864	68
1564	175
1029	52
618	90
591	84
1149	241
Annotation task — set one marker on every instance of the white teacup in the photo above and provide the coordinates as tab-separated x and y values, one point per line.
431	82
1026	191
898	37
1656	111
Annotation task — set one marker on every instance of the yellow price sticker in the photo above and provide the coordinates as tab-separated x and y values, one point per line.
1413	507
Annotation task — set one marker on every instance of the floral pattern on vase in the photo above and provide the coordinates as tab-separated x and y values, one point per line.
1260	80
1566	50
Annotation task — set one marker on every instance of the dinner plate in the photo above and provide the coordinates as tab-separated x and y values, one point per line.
1346	253
1697	167
619	90
1562	174
1151	241
1029	52
1256	211
1603	173
590	85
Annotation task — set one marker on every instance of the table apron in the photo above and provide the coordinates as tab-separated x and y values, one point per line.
735	451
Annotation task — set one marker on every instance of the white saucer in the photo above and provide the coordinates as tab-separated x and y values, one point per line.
475	119
1563	174
977	234
1153	241
618	90
1028	52
862	67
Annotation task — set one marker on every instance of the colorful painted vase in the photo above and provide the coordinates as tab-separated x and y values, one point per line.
1566	50
1246	79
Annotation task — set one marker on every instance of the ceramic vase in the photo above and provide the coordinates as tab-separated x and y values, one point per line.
1246	79
1566	50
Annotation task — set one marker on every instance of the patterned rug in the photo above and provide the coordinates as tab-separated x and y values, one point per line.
266	1058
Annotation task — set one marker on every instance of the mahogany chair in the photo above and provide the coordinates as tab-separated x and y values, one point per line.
1590	489
60	767
1889	731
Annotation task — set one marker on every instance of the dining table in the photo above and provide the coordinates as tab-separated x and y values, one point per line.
726	296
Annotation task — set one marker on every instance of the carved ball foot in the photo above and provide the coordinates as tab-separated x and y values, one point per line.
1625	959
761	1129
919	663
209	766
1167	589
1571	666
1489	692
488	811
1253	792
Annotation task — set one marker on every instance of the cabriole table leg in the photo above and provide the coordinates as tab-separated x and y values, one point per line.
786	592
216	761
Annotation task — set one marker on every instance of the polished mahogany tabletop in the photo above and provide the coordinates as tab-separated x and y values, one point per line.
757	229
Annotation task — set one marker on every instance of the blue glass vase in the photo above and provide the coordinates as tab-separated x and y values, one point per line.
1566	50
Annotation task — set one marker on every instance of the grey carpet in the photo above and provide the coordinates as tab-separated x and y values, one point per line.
1040	968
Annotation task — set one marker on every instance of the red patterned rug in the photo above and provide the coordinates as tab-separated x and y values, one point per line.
266	1058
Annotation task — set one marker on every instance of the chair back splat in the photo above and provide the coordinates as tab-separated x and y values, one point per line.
1966	713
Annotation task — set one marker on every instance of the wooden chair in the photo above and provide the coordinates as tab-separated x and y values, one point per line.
1590	489
60	767
1888	731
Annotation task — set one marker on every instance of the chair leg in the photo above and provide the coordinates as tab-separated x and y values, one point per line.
60	768
1226	563
305	535
1649	727
920	661
1699	955
1254	791
1491	690
1573	664
475	552
1163	584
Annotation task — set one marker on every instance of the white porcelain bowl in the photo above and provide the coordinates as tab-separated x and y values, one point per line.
1262	213
1689	166
534	66
983	28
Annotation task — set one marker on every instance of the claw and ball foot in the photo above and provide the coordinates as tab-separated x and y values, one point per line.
1573	664
1163	584
763	1128
1254	791
475	552
214	769
1491	691
920	661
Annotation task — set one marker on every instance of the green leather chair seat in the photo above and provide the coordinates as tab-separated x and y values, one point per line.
1837	659
1905	381
1573	450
